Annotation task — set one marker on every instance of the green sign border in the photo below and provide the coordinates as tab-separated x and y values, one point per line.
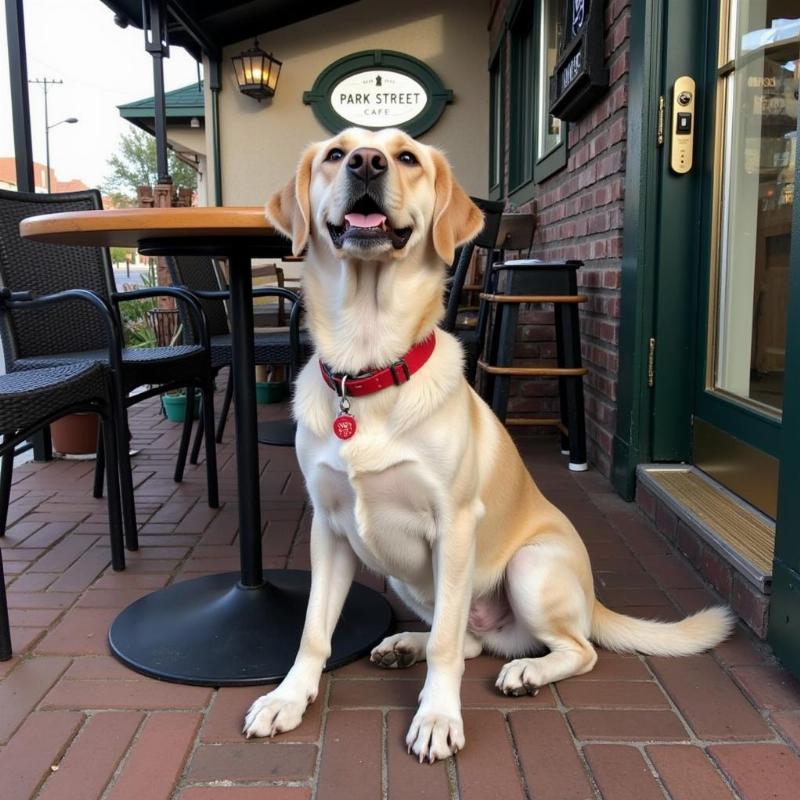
318	97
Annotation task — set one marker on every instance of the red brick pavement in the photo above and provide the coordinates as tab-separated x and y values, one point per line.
74	723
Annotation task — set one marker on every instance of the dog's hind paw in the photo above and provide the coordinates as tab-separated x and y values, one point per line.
270	715
519	677
399	651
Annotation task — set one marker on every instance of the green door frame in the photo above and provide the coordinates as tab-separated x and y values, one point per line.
634	398
653	198
784	612
662	305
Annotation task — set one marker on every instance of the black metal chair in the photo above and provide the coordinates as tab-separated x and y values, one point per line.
290	346
31	399
73	336
470	338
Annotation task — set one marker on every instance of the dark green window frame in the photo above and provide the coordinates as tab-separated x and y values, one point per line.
555	158
525	170
521	112
497	122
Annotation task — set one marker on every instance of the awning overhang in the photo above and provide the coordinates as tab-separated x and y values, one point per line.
205	27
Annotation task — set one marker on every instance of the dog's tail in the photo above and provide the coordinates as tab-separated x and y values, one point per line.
696	633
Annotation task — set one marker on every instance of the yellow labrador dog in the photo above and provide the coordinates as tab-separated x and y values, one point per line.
412	473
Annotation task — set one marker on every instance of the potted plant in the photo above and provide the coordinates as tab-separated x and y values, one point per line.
75	436
174	403
272	388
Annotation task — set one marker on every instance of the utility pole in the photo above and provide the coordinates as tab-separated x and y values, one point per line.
45	82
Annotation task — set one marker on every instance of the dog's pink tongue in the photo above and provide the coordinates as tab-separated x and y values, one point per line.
365	220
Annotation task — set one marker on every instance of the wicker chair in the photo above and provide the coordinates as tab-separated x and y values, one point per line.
470	338
31	399
286	346
74	336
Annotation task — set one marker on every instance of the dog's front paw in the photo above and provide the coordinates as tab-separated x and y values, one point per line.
520	676
272	714
435	736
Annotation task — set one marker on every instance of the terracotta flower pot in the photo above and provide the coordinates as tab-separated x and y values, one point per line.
75	434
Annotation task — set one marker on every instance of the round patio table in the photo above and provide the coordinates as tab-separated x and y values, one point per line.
228	629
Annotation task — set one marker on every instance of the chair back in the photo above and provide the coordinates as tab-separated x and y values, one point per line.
42	268
516	232
487	238
199	274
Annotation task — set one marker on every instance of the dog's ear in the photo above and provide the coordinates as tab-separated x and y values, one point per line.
289	210
456	219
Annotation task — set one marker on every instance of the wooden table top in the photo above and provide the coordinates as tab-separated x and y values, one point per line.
126	227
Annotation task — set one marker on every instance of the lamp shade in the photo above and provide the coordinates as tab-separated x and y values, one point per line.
257	72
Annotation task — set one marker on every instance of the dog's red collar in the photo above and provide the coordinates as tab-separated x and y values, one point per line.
394	375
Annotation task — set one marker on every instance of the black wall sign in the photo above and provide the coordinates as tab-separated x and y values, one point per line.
580	74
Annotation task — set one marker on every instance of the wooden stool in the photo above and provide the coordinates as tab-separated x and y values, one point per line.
531	281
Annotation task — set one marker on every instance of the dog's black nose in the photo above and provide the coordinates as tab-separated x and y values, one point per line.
367	163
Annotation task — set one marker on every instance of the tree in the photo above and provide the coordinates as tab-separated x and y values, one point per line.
134	165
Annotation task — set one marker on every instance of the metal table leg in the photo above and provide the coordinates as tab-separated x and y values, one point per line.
239	628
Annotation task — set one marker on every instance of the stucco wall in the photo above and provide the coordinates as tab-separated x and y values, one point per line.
260	143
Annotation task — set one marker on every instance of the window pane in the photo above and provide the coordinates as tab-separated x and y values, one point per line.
548	134
760	140
521	109
496	122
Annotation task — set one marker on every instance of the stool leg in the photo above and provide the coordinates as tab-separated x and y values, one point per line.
558	309
226	406
113	498
506	324
211	445
194	456
186	435
5	487
571	337
5	626
100	462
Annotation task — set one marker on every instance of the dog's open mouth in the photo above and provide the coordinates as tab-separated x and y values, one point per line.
365	225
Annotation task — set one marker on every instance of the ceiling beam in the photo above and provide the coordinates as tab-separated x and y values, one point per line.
194	29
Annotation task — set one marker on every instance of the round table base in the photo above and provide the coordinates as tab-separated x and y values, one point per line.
278	432
210	631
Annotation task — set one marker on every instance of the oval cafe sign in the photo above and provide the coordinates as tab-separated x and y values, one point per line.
378	89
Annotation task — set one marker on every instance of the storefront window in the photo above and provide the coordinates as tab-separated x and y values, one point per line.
548	129
496	133
537	146
758	89
521	154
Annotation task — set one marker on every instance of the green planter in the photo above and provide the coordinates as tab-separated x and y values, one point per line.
271	392
175	406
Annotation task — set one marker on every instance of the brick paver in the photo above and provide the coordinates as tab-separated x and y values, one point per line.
548	756
760	771
687	773
88	765
621	773
27	759
76	723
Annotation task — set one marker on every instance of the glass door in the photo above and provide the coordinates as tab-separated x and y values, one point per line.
736	432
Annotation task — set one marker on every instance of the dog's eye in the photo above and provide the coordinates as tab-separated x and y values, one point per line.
335	155
407	158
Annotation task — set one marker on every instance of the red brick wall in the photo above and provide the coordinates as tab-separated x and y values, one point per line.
579	215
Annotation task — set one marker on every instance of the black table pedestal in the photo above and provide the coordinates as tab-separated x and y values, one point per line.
235	629
211	631
277	432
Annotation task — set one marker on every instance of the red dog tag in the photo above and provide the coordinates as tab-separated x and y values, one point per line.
344	426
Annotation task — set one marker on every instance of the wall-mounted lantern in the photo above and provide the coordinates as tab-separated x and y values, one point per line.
257	72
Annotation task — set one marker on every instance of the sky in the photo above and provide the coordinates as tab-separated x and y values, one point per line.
102	66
